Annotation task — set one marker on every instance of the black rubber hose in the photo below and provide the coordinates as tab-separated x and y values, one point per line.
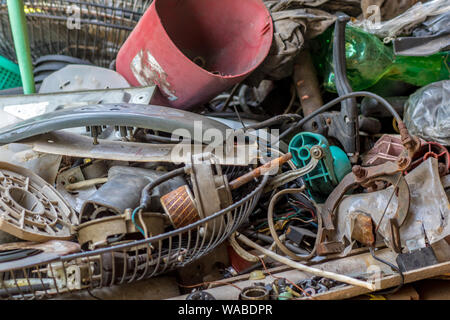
146	192
332	103
230	97
275	120
397	269
232	115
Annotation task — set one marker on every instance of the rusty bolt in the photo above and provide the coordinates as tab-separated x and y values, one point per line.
328	121
359	172
401	126
372	186
376	185
407	140
402	162
316	152
72	179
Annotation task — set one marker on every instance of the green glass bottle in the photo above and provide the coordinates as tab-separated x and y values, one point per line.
370	60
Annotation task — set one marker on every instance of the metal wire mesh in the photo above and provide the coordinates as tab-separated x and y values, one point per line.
91	30
129	262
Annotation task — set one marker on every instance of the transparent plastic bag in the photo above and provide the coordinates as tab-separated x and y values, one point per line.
404	23
427	112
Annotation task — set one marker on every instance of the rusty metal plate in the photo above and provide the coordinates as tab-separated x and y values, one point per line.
429	210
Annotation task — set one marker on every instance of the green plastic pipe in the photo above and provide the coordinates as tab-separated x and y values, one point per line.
21	44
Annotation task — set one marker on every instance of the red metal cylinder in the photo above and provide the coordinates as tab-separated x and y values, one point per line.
195	49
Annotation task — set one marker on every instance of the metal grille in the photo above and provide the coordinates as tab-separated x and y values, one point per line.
129	262
91	30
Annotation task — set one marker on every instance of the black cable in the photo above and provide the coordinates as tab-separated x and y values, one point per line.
250	269
232	115
275	120
146	192
372	252
230	97
239	117
332	103
17	254
93	296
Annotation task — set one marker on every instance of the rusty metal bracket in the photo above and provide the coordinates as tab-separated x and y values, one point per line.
388	172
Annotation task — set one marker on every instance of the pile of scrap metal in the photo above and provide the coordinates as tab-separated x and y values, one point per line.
212	157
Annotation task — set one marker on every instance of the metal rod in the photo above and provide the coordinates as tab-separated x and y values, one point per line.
304	268
246	178
389	201
85	184
21	43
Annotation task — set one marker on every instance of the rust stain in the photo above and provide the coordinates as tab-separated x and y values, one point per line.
363	230
148	71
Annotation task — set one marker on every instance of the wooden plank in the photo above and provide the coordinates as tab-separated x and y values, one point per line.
387	282
282	268
351	266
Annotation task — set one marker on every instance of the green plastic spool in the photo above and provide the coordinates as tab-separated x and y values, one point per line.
330	170
9	74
